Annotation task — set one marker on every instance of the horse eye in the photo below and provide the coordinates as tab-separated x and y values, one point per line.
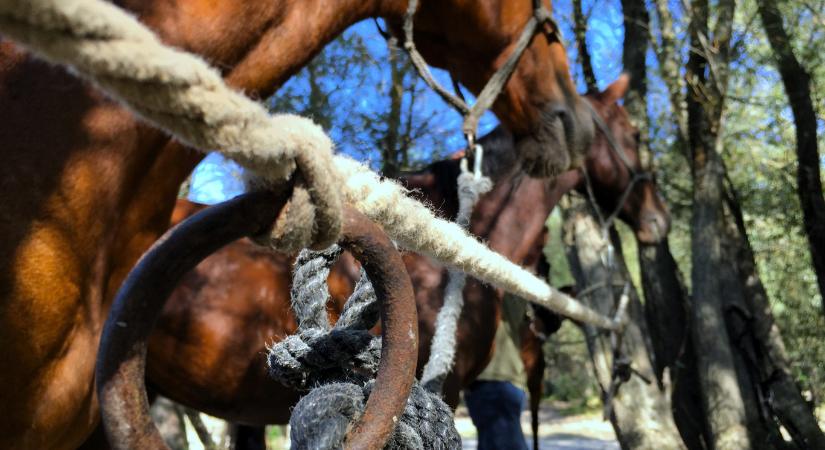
637	135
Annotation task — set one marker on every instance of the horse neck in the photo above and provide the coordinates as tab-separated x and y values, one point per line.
511	217
258	45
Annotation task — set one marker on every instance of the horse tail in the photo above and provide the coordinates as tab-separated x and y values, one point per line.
535	399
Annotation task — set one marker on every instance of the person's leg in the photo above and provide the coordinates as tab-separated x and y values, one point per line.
495	408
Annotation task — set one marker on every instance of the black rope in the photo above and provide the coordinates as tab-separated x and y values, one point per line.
340	364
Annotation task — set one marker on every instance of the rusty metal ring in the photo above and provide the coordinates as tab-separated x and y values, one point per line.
121	361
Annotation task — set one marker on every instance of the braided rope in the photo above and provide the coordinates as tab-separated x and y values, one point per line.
181	94
339	365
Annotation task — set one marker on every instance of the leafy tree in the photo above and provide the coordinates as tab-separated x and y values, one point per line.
363	90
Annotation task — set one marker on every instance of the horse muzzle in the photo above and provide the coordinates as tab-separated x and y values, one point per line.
559	142
653	228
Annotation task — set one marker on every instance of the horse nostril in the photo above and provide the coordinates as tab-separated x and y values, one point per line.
568	122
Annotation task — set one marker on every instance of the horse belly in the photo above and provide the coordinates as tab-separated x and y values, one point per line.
208	350
50	345
64	164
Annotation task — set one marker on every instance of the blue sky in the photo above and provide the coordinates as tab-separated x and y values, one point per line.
216	179
359	91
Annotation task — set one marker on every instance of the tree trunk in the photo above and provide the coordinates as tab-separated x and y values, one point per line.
667	308
783	397
768	391
636	30
580	30
669	64
723	398
640	410
666	298
798	89
762	430
318	98
390	161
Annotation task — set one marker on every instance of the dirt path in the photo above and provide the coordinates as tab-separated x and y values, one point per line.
579	432
556	432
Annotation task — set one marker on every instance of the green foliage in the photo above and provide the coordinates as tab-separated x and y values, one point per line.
568	377
758	150
276	437
559	275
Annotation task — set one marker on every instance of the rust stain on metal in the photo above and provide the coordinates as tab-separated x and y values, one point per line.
121	358
393	288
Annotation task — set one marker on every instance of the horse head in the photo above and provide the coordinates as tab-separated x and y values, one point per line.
259	44
611	166
539	104
618	182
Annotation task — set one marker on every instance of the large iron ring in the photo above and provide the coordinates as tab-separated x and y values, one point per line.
121	361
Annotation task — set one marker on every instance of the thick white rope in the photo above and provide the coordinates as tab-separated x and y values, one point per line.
181	94
471	186
414	226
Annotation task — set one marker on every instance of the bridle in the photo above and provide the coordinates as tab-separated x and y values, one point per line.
622	369
635	176
470	186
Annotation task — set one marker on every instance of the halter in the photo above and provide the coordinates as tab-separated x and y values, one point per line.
469	187
635	177
622	369
540	21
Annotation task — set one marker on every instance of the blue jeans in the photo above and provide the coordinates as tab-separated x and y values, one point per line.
495	407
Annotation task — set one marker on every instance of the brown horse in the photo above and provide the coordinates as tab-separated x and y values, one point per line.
208	351
86	188
511	220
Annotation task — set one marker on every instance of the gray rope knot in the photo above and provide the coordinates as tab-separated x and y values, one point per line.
340	362
427	422
314	357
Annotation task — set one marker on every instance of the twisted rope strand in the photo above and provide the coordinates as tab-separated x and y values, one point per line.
181	94
339	365
442	347
415	227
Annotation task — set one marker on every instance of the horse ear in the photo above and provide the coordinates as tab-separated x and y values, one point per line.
616	90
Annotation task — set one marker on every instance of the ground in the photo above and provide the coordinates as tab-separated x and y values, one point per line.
585	431
557	432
